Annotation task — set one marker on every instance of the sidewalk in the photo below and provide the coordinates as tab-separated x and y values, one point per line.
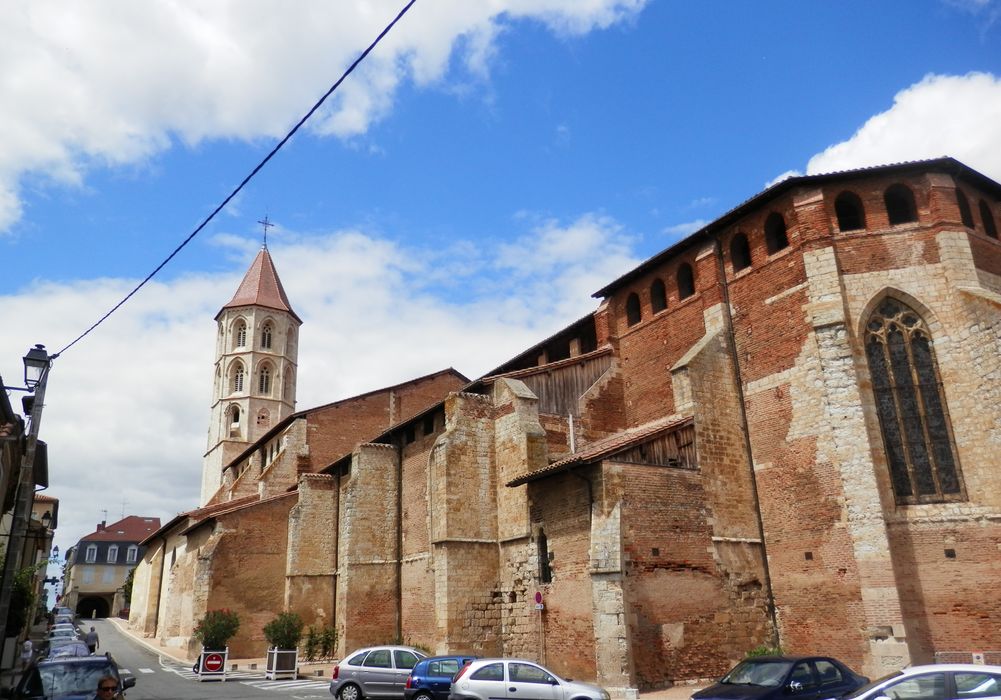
10	676
681	691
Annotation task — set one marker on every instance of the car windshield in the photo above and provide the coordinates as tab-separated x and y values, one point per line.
869	686
768	673
59	679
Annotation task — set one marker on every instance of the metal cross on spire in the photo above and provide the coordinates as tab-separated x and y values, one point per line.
266	224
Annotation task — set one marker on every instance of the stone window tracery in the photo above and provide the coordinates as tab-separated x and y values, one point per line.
910	403
266	333
240	335
236	379
264	380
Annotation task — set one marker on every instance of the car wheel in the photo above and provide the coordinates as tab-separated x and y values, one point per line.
423	696
349	692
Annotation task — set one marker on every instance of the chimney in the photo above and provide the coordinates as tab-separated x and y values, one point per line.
100	526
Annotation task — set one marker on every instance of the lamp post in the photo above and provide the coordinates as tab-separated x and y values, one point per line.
36	374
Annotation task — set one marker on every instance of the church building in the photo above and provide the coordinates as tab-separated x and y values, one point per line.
783	430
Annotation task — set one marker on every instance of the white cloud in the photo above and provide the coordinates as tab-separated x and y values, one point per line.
113	82
128	407
679	231
954	115
784	176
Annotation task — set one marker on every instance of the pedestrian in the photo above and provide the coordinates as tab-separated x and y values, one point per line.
107	686
27	652
91	640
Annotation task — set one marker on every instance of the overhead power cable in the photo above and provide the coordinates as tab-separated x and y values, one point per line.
249	177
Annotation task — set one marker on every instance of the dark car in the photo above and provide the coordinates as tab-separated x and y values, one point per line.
431	678
67	678
784	678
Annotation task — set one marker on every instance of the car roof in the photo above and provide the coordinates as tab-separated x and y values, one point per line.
976	668
449	656
103	660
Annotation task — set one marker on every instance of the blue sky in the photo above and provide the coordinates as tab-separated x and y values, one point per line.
469	187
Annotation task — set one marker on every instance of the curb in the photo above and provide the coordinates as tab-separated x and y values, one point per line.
159	651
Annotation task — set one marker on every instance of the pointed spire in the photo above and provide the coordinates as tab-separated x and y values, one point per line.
261	287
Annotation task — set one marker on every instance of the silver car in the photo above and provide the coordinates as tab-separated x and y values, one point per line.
935	682
490	679
374	672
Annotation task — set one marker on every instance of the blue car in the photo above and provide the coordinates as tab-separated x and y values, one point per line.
784	678
431	678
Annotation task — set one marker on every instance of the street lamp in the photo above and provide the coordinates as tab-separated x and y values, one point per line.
36	373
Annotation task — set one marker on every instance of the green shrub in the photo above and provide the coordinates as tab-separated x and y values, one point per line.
765	650
328	641
312	644
216	628
285	631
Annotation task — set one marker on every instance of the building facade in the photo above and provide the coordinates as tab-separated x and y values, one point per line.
782	430
98	565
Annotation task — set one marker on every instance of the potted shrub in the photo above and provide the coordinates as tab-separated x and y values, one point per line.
214	632
283	634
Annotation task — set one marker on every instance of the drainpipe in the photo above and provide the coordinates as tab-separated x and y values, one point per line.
732	347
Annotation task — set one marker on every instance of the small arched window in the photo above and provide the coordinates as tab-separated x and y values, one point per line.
633	311
290	341
775	233
850	211
740	252
266	332
988	218
658	296
965	214
686	281
236	378
910	404
900	207
545	568
240	334
234	415
264	380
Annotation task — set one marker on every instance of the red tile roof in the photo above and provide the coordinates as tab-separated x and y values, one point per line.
133	528
231	507
606	447
199	513
261	287
45	498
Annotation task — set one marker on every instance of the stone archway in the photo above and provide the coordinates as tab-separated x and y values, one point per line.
93	606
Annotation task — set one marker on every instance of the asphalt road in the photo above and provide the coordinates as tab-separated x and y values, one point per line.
162	678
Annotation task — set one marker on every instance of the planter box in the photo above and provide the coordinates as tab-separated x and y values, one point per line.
282	664
211	664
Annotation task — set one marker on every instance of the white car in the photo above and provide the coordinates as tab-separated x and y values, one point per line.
489	679
935	682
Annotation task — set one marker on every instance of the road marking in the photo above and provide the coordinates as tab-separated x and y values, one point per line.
124	670
146	670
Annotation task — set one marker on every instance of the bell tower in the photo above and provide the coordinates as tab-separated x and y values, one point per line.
255	368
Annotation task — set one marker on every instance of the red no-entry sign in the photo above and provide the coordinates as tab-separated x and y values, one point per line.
213	662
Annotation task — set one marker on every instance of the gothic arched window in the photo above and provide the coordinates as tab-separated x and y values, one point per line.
900	207
240	334
264	380
776	237
287	388
633	311
740	252
266	333
965	215
686	281
236	379
658	296
545	568
911	406
985	215
850	212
